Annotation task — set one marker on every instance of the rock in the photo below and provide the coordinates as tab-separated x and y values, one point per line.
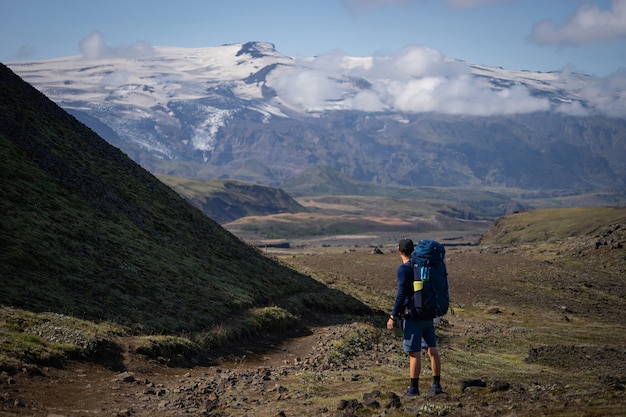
349	405
394	401
466	383
371	399
125	377
500	386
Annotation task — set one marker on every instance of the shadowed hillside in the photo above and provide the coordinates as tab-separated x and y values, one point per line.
228	200
89	233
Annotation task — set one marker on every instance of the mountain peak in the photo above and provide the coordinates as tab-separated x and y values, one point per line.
210	112
257	49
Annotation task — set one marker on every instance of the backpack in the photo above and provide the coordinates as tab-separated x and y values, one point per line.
430	273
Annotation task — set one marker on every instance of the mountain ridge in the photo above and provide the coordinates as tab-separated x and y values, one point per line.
211	112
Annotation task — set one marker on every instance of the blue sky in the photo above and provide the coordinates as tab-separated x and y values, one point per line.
541	35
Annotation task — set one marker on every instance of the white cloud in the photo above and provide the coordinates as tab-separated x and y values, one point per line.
588	24
415	80
94	47
460	96
417	61
114	79
607	95
368	101
574	108
308	89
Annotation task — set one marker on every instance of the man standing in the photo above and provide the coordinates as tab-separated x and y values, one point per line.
414	329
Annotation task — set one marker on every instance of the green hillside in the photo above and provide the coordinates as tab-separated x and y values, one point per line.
88	233
546	225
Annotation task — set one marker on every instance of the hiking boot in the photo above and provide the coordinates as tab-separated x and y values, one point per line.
435	389
412	392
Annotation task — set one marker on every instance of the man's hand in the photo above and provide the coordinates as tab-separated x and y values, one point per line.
390	323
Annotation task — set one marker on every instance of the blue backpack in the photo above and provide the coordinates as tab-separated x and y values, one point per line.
431	295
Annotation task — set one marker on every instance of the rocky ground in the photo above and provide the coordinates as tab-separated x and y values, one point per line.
535	331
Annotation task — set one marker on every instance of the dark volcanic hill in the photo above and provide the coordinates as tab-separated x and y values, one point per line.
228	200
85	231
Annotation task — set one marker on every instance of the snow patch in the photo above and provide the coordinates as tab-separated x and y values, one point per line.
205	135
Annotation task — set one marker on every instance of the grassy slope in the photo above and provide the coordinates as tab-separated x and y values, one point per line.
543	225
87	232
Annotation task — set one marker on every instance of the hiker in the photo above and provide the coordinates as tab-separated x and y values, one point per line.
414	329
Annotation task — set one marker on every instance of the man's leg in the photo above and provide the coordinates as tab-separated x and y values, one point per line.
414	365
435	362
414	373
413	346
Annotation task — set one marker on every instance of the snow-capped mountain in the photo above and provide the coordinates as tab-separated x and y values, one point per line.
415	118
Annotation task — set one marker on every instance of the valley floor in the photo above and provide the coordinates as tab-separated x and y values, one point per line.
542	329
